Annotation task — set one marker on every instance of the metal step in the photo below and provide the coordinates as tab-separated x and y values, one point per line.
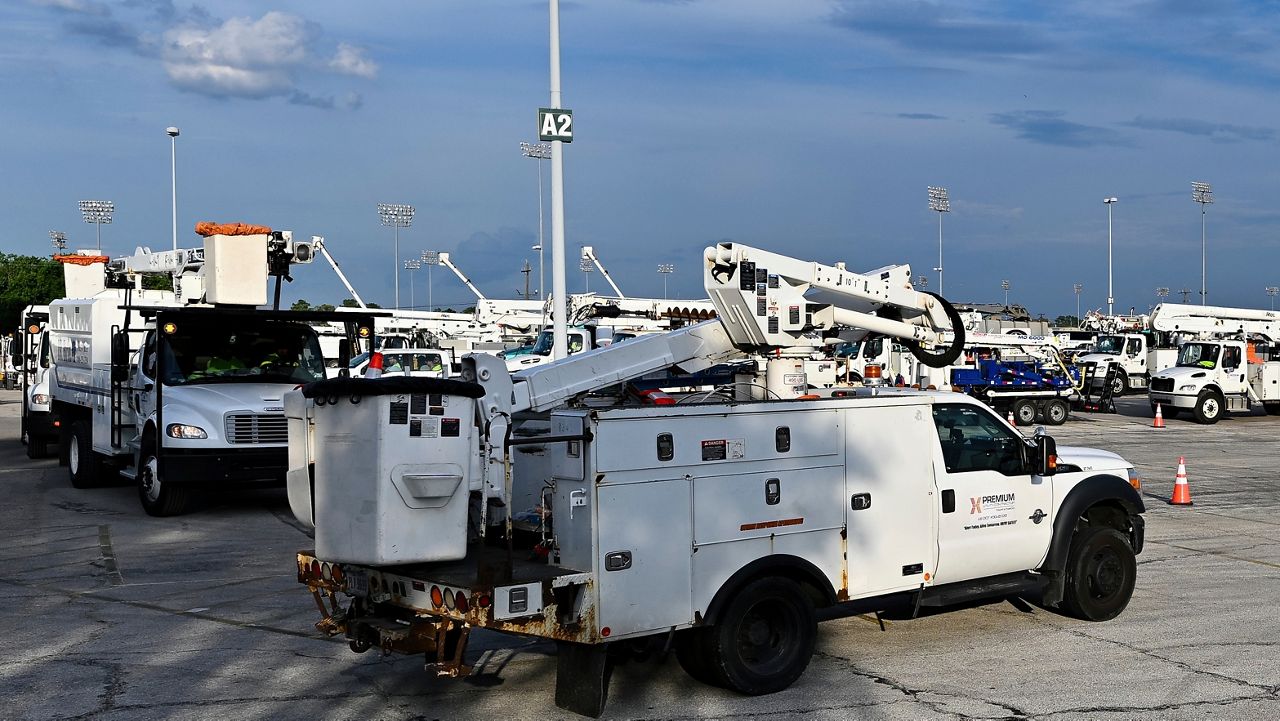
1012	584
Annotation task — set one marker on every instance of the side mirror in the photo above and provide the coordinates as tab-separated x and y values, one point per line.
119	358
17	355
1046	456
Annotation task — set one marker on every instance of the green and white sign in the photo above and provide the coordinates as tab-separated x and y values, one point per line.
555	124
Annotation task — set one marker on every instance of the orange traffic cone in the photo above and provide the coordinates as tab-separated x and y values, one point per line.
1181	489
1159	421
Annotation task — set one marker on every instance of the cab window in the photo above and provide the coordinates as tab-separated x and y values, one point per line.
1231	357
1135	346
973	439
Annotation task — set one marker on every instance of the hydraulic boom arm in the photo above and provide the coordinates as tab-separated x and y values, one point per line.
446	262
1215	321
589	253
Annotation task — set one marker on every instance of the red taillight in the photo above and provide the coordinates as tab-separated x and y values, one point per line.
461	602
315	569
606	631
483	600
437	597
337	573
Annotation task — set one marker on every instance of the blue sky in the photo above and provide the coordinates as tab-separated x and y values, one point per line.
810	127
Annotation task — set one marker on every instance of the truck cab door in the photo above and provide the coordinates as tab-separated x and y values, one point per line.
1232	371
994	516
1136	353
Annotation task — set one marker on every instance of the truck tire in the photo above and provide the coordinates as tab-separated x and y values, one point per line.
1208	407
1120	385
1024	412
1056	412
765	637
1272	408
158	498
84	465
37	446
693	652
1100	574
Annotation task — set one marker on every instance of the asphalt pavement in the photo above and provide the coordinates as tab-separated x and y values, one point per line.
111	614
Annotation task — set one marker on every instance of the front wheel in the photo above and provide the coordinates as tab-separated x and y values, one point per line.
1101	570
1024	412
1120	385
1272	408
37	446
765	638
158	498
1056	412
82	462
1208	408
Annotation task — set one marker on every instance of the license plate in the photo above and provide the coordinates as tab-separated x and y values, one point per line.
357	583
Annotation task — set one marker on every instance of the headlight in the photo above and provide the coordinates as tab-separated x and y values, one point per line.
178	430
1187	387
40	399
1134	480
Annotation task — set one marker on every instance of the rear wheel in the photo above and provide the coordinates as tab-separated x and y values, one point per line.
82	462
693	651
1056	412
37	446
1120	385
1208	407
765	638
1024	412
1101	569
158	498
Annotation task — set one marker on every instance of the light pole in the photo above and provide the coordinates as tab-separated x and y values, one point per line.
1110	294
412	265
1186	295
938	201
1005	285
1162	293
665	269
560	332
430	258
59	240
1272	291
97	212
1202	194
921	282
539	152
586	267
1078	287
172	132
397	216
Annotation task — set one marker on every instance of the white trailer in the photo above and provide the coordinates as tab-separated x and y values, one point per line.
715	528
1232	365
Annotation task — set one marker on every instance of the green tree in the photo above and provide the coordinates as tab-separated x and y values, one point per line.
157	281
324	308
27	280
300	304
1065	321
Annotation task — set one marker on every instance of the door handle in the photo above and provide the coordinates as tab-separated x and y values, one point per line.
860	501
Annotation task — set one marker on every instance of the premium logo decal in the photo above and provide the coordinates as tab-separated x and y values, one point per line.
991	510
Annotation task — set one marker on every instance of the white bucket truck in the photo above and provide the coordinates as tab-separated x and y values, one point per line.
1232	365
181	390
716	526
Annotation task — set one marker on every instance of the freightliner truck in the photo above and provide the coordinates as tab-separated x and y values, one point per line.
707	523
181	391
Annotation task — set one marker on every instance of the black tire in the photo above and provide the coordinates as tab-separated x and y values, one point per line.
1100	574
1120	385
1208	407
84	465
158	498
1024	412
1056	412
37	446
765	637
692	648
1272	409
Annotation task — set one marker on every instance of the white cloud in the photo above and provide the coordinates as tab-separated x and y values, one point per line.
242	56
77	6
351	60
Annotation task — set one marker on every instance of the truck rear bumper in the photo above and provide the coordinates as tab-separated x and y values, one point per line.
264	466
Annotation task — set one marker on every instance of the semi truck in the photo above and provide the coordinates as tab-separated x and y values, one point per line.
180	391
711	525
1231	365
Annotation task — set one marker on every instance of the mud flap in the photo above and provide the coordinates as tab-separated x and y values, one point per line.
582	677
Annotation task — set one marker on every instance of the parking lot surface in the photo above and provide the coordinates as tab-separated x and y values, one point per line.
111	614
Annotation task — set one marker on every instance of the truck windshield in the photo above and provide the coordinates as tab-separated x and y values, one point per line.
1109	344
1198	355
240	350
873	348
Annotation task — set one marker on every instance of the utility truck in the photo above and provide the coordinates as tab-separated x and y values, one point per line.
713	523
1231	365
181	390
1136	355
31	361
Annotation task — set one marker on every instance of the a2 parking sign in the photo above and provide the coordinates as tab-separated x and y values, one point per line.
555	124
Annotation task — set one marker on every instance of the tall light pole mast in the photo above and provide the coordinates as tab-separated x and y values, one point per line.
1162	293
1272	291
59	240
539	152
397	216
430	258
560	334
411	265
1111	300
1078	287
97	212
1005	285
938	201
172	132
1202	194
587	267
665	269
921	282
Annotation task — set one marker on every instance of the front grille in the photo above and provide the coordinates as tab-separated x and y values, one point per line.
257	428
1162	384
